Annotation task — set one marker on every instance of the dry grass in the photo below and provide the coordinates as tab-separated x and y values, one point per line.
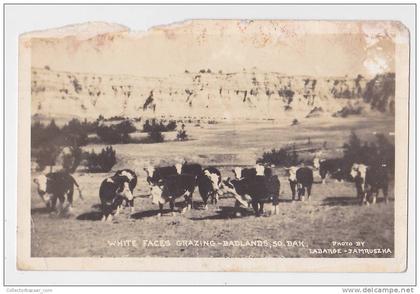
333	213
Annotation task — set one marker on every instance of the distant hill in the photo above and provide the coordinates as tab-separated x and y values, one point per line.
205	94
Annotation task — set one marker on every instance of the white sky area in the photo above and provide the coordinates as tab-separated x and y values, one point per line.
365	51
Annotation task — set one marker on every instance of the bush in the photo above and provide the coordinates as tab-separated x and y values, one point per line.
381	152
125	127
348	110
153	125
102	162
280	157
77	86
47	156
155	136
74	133
108	134
72	160
380	92
182	135
38	134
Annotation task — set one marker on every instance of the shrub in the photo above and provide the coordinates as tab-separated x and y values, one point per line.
348	110
102	162
115	118
381	152
155	136
38	134
153	125
47	155
380	92
182	135
74	133
125	127
115	134
281	157
72	160
77	86
171	126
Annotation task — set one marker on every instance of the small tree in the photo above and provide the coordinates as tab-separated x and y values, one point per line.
182	134
281	157
155	136
47	156
75	133
113	134
102	162
72	160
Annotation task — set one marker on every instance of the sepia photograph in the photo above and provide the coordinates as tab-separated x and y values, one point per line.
214	140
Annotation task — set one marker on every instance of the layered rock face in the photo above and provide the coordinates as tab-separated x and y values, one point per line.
212	94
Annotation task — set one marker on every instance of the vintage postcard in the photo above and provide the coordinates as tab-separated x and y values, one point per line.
214	145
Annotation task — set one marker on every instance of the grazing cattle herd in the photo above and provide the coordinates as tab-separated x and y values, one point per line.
251	187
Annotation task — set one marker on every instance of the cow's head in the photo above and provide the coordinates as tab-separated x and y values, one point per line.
358	170
123	189
260	169
156	194
149	171
237	171
292	173
41	182
178	167
317	162
226	183
126	174
214	179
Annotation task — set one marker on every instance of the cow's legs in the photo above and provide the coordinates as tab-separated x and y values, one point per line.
106	212
374	196
190	200
70	198
236	211
61	199
261	207
309	189
205	198
160	210
131	205
172	206
385	192
215	199
255	207
293	188
53	201
301	192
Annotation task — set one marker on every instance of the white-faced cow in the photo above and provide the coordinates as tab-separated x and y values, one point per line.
194	169
369	180
301	178
57	185
209	182
258	170
132	177
112	192
332	167
155	175
257	189
171	188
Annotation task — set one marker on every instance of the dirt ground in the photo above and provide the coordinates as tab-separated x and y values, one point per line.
300	229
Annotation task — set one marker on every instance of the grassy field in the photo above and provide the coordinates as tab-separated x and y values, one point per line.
332	214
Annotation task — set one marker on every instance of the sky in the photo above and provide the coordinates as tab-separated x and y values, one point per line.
313	48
